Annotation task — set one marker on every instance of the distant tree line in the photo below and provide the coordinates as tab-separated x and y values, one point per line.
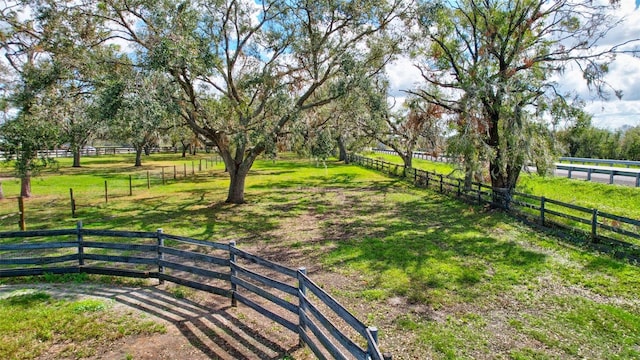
588	141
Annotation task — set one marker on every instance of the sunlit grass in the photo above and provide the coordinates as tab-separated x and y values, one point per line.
470	283
615	199
31	322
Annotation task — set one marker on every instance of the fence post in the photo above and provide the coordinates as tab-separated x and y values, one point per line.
200	166
302	307
372	345
106	193
175	173
542	202
21	223
163	182
148	181
80	244
415	175
459	189
193	168
479	194
594	225
160	255
611	177
185	169
73	203
441	181
589	171
638	180
234	273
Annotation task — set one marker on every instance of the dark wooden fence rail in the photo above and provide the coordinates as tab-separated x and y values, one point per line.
603	231
589	170
318	319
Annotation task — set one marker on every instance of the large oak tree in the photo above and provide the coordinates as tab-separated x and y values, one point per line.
494	63
247	69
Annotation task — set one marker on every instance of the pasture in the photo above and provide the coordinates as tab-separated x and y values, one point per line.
440	278
615	199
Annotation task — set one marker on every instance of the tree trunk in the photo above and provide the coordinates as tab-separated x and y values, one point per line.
238	172
147	150
76	157
342	150
468	173
236	187
468	180
502	184
407	159
25	185
138	156
185	147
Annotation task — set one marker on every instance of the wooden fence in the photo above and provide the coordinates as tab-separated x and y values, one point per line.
589	170
117	186
96	151
600	230
324	325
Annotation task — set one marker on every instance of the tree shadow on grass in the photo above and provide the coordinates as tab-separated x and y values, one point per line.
413	248
215	221
212	326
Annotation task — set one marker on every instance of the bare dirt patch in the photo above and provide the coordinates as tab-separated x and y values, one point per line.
204	326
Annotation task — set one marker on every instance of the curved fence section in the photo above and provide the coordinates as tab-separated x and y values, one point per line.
286	296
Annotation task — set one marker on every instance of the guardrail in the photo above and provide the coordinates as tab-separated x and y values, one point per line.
606	232
286	296
589	170
627	163
611	171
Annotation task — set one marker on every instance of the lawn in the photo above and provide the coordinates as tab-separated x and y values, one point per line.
440	278
33	321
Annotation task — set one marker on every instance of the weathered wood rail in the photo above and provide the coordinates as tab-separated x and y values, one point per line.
603	231
284	295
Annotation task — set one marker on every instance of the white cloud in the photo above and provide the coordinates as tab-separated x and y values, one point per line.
403	75
614	114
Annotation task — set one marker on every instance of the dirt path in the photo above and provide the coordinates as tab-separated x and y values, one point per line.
204	326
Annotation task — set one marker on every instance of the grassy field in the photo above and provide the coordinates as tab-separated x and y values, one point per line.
615	199
440	278
32	322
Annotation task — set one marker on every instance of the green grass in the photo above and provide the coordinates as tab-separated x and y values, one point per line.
613	199
32	322
441	279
